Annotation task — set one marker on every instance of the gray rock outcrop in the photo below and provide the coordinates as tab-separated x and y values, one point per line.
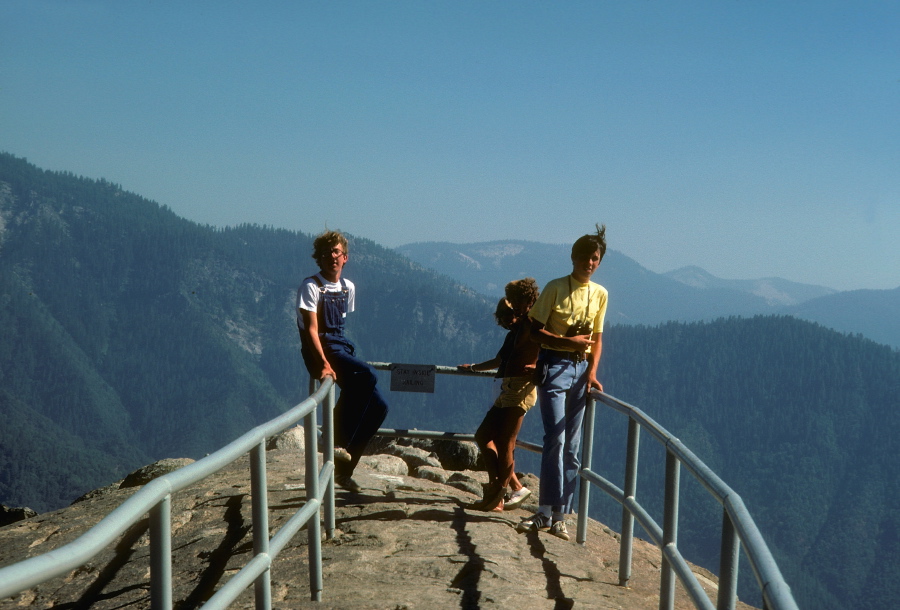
10	514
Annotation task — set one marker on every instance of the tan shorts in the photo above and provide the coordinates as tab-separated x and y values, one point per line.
517	392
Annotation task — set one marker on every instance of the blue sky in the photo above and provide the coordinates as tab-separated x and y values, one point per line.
751	138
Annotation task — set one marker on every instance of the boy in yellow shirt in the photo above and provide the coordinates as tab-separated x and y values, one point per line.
567	320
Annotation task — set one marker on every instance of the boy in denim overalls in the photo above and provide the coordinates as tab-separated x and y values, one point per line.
323	302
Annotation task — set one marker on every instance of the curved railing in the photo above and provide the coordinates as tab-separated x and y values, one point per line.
738	526
155	498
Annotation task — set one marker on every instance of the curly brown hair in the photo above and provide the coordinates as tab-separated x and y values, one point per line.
522	294
326	242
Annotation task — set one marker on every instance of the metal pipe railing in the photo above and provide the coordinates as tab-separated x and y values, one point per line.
155	498
738	526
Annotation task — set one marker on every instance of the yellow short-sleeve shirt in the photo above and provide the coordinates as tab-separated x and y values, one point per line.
565	301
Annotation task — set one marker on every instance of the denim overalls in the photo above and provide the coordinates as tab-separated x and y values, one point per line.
360	409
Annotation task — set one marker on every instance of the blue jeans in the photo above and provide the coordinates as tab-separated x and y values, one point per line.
562	398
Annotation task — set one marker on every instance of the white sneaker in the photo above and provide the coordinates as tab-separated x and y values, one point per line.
558	529
516	498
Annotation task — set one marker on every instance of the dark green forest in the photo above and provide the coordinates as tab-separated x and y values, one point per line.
131	335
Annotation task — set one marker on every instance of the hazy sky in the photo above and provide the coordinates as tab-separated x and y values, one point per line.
751	138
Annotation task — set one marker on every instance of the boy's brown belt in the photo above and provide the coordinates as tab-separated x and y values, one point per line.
572	356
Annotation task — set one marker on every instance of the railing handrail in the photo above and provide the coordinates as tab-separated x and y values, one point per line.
775	590
35	570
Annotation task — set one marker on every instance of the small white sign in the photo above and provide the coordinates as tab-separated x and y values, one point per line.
413	377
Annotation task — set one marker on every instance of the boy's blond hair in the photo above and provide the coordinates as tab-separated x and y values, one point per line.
326	242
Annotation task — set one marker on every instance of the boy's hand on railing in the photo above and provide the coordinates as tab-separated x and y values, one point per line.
327	371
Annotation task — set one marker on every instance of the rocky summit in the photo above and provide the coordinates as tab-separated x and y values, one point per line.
403	542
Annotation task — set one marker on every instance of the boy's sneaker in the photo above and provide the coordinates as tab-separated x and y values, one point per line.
340	454
558	529
516	498
534	523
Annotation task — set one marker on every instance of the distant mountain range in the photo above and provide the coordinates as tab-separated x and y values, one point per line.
690	294
775	291
131	334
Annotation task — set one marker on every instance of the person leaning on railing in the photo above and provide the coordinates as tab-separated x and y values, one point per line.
567	320
323	302
515	362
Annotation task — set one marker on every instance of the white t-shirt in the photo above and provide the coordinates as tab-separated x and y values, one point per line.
309	294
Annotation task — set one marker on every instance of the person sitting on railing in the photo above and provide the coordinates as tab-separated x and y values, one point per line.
515	362
567	320
323	302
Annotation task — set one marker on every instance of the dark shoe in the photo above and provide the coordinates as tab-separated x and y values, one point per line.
346	481
493	498
535	523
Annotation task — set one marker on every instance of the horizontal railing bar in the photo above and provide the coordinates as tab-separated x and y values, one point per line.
444	370
455	436
764	566
604	484
293	525
647	522
653	428
687	577
709	479
638	511
239	582
425	434
325	475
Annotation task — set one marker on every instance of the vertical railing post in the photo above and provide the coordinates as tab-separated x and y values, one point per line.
313	527
587	451
328	450
161	555
260	503
670	531
728	565
626	545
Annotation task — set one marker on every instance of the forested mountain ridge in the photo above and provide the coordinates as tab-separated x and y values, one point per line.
131	334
